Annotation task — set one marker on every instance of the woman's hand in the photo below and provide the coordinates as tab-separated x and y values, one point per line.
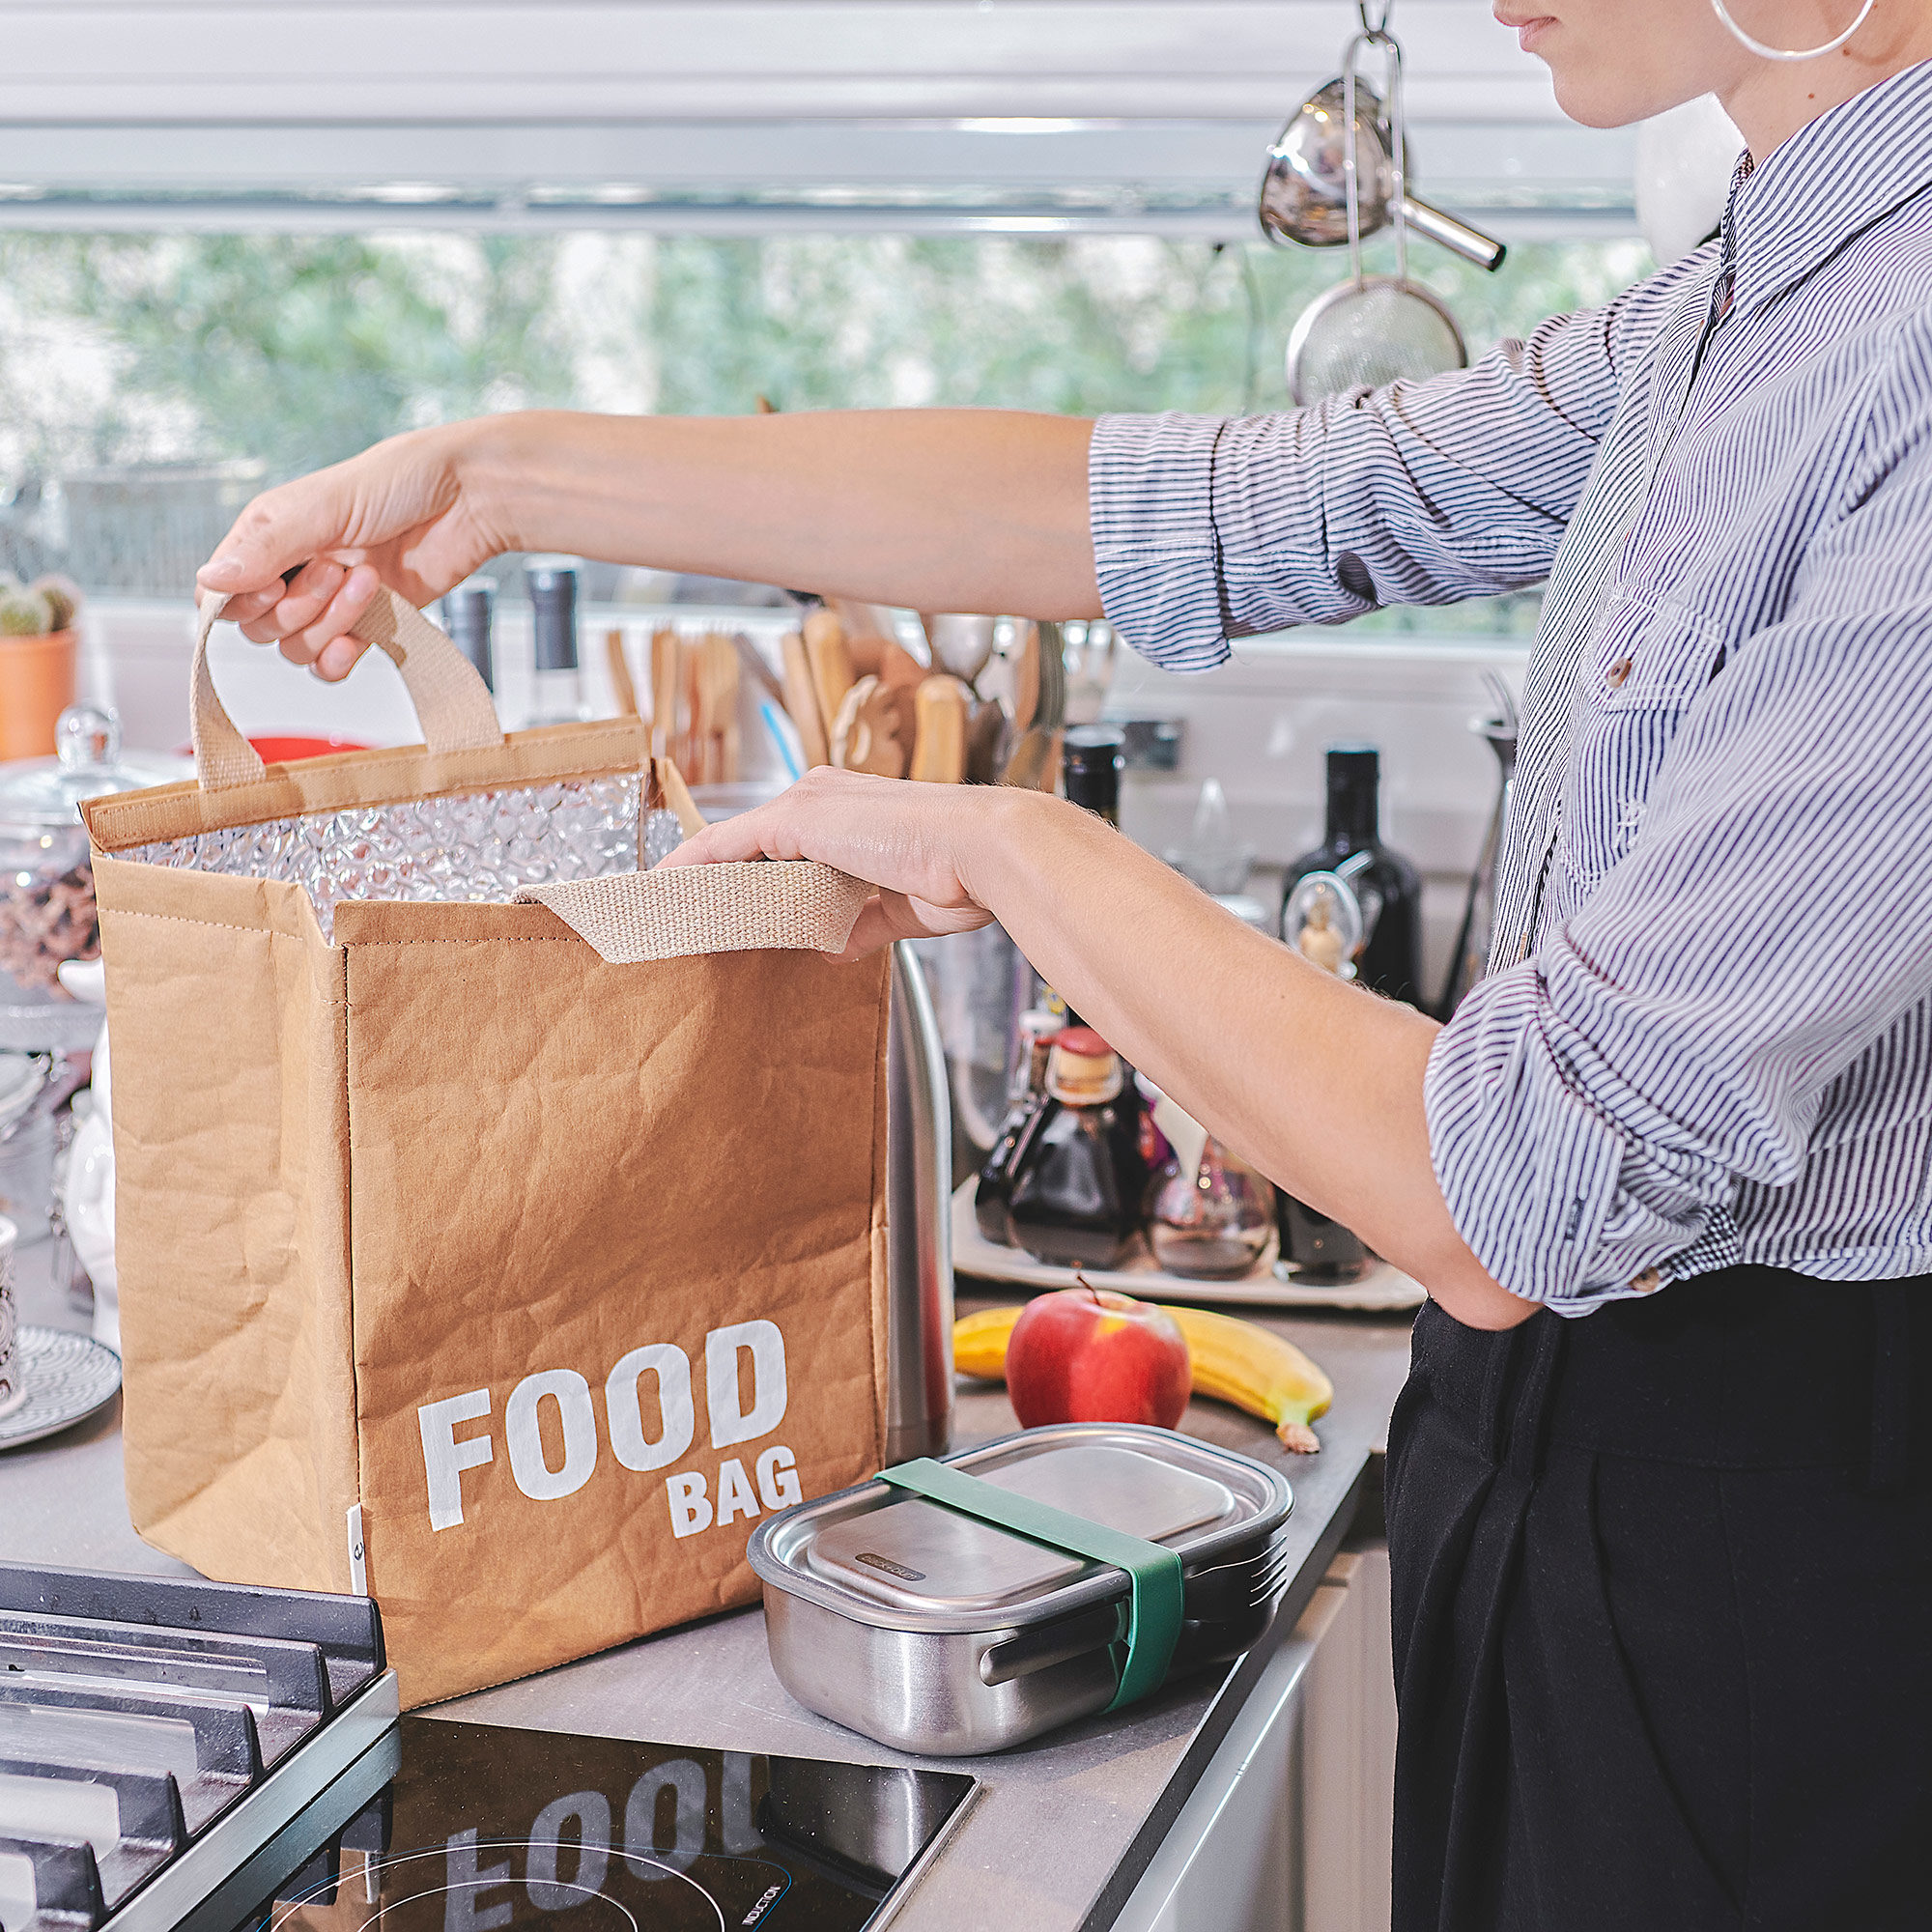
402	513
915	843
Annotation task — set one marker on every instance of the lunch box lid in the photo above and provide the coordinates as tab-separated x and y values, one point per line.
873	1553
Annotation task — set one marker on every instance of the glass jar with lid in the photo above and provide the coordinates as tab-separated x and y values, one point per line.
47	877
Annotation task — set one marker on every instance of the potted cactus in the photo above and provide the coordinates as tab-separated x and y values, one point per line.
37	662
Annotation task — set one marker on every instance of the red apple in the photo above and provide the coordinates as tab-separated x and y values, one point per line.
1083	1354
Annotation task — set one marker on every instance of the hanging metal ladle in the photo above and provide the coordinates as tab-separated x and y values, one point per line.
1372	329
1304	195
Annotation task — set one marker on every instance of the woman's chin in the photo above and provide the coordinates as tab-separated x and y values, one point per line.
1594	99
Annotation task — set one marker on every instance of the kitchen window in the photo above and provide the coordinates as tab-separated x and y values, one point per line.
149	382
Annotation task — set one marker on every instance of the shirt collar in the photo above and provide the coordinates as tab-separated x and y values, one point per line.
1830	181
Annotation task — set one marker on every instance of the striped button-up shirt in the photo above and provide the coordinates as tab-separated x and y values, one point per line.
1706	1037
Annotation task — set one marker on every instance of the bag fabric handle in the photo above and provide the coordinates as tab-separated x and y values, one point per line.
452	702
1154	1592
792	905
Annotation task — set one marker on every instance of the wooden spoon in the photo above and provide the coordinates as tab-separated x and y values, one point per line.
865	735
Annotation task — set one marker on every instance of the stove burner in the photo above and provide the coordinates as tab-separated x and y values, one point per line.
180	1757
559	1894
485	1826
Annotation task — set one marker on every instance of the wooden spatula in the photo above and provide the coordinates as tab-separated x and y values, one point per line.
800	699
664	690
621	684
939	751
832	675
720	675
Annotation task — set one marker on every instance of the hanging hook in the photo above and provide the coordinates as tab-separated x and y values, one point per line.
1352	192
1398	158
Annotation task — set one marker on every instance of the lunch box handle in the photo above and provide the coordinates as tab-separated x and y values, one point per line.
1153	1573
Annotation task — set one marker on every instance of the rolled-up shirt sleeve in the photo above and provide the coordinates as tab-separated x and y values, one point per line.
1760	954
1209	527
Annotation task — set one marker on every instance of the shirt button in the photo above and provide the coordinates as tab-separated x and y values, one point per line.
1648	1282
1616	674
1631	813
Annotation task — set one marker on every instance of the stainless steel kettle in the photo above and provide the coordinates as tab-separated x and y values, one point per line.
918	1207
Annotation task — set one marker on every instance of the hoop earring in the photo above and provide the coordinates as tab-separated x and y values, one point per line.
1764	52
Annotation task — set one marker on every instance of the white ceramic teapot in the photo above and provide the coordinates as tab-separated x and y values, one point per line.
87	1195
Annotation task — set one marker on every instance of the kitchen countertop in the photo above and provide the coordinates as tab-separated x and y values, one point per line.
1059	1833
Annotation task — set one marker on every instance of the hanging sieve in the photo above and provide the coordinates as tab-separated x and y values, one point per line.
1372	329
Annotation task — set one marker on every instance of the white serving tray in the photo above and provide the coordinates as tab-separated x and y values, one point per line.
1383	1289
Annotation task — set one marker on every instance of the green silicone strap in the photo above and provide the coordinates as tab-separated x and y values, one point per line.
1153	1573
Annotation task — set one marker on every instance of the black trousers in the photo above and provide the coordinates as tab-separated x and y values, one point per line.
1662	1587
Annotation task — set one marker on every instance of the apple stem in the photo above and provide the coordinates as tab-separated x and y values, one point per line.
1081	1281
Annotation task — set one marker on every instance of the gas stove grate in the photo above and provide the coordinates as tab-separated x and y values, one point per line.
153	1731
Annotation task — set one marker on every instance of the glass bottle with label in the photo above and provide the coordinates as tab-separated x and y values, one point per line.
1387	884
1025	1095
1322	920
556	686
1079	1181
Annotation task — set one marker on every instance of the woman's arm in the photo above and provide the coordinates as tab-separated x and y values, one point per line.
931	509
1207	529
1316	1082
1199	528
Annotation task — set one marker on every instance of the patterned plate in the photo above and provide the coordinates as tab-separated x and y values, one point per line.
67	1377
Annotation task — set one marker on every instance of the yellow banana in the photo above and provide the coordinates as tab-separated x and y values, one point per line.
980	1343
1258	1371
1231	1360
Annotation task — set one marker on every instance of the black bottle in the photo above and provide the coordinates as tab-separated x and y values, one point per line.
468	614
556	684
1091	759
1079	1178
1390	961
1315	1250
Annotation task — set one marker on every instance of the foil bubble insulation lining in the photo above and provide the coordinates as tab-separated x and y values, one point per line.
481	846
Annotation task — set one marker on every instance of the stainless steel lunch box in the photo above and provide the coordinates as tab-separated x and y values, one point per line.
940	1634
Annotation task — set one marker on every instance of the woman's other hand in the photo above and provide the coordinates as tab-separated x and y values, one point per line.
303	560
915	843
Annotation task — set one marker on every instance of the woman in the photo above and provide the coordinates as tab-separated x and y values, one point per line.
1659	1508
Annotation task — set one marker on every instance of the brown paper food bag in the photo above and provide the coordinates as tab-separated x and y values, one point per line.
505	1260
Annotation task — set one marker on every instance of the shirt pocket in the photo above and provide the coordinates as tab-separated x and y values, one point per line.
1642	673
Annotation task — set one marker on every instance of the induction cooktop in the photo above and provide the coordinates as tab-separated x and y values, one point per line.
451	1827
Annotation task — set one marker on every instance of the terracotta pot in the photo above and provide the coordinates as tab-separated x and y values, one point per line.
35	686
